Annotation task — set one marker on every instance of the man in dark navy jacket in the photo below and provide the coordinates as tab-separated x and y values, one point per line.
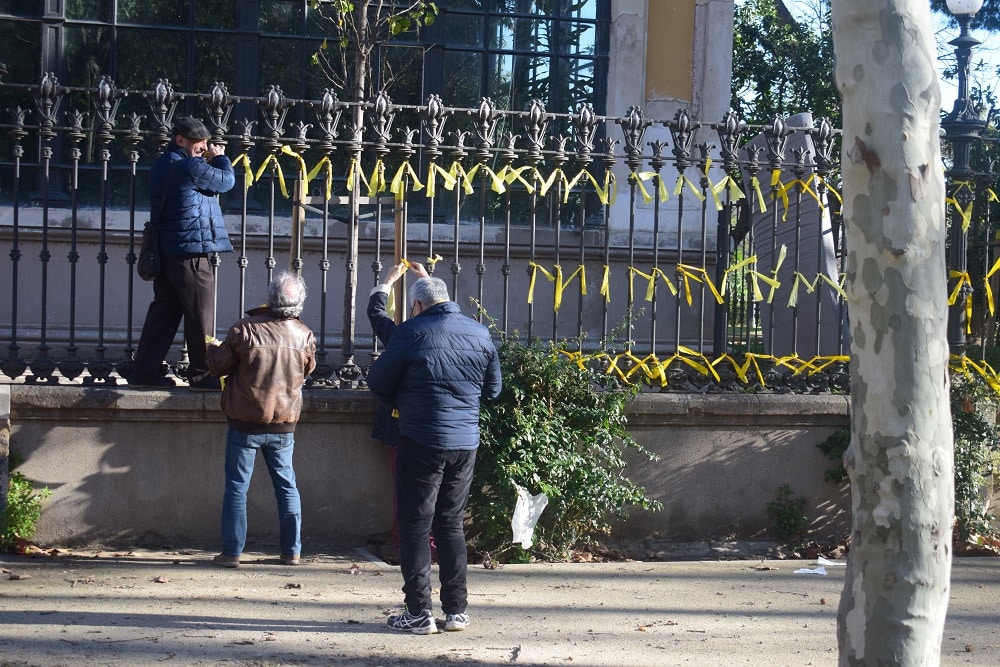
183	186
437	367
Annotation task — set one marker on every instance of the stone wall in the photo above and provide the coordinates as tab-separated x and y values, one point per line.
145	468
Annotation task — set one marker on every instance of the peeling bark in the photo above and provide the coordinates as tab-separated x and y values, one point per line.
892	610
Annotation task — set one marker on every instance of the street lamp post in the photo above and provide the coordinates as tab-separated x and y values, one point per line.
962	127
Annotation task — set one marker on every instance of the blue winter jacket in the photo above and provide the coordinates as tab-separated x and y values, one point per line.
191	219
436	369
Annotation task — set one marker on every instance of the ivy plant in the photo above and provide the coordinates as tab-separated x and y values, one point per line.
557	428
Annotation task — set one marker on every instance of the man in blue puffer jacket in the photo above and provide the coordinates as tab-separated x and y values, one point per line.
437	367
183	186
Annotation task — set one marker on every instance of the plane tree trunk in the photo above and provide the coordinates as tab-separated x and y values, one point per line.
895	596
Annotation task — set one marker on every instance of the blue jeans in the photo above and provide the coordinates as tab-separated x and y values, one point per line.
432	487
241	449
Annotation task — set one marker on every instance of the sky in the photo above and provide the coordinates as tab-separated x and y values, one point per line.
988	53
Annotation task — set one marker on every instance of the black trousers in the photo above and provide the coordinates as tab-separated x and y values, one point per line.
185	289
432	488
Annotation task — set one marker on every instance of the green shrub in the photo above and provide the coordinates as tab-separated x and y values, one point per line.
560	429
24	507
788	521
977	444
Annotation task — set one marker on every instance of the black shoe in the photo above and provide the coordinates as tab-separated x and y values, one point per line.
159	383
206	384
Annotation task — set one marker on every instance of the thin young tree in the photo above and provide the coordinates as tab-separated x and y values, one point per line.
895	596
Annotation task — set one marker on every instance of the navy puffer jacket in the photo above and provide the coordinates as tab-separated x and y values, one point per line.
191	219
435	370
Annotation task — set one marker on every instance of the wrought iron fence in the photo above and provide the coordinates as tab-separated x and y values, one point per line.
681	253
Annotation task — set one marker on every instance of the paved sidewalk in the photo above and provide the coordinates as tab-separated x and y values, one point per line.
175	608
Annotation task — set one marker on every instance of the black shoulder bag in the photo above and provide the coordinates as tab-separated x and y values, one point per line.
150	264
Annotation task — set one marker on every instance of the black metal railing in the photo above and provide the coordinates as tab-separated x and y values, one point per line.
683	254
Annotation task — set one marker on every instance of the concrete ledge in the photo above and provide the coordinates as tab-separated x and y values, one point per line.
139	467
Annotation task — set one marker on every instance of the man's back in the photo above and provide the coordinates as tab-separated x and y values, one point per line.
436	369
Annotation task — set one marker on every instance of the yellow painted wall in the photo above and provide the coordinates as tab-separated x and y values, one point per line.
670	50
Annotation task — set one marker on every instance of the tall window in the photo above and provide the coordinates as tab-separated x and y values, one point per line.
518	50
510	50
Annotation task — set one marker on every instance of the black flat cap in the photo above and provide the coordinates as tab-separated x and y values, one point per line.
190	127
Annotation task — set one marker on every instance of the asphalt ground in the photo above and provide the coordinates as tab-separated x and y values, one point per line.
174	607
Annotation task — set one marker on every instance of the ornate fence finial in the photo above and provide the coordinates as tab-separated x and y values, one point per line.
682	129
730	133
584	131
536	123
633	125
274	106
162	104
485	118
48	99
219	104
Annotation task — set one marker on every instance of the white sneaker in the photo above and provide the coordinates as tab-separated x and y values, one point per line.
419	624
455	622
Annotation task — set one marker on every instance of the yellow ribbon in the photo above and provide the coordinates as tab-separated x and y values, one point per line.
277	165
640	177
683	180
247	170
830	188
700	275
398	185
963	278
650	282
303	176
434	170
560	282
605	290
328	181
760	195
989	289
509	175
780	191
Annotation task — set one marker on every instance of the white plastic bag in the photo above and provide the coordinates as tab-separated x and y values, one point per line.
527	511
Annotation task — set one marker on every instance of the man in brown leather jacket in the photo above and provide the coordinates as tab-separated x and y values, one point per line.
264	360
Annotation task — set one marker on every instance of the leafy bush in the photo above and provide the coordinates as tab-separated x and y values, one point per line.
560	429
787	518
977	444
24	507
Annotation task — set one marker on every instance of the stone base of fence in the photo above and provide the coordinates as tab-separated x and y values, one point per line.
145	468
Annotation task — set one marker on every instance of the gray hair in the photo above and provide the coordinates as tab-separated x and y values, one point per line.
429	291
286	293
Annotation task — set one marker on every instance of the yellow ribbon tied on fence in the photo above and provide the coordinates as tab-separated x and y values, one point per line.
965	213
328	181
277	167
963	279
434	171
244	159
640	177
510	175
398	185
560	283
605	290
755	182
700	275
989	288
683	180
303	174
650	284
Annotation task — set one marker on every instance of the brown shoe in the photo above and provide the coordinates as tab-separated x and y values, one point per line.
289	559
222	560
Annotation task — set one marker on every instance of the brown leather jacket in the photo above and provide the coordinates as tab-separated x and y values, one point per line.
265	360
